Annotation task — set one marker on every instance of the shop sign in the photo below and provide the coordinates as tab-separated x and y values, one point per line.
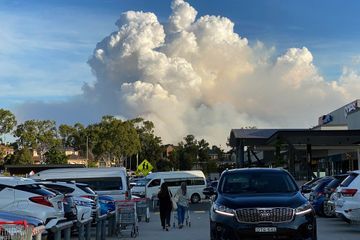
351	107
324	119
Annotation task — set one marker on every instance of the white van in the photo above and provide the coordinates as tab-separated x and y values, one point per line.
104	181
195	181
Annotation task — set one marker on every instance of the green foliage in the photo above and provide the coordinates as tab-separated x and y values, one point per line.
7	121
150	145
21	157
55	155
114	139
40	135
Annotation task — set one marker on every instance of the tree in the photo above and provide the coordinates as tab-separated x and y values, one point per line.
55	155
114	139
40	135
21	157
150	145
7	121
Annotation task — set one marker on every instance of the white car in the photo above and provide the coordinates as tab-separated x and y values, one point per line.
23	196
82	194
138	187
347	204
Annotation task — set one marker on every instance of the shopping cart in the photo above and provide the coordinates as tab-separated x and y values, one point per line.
142	209
187	218
18	230
126	217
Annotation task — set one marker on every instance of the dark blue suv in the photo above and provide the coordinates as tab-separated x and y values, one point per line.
260	203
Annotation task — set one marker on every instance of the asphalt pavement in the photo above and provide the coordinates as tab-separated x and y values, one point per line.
328	228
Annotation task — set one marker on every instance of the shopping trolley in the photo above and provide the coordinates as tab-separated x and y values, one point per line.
126	217
17	230
187	219
142	209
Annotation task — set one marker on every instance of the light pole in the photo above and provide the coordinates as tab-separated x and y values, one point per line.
87	151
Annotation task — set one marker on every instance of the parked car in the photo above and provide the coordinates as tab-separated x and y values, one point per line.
257	203
23	196
347	206
317	195
138	187
9	216
211	189
107	204
105	181
83	197
330	188
307	187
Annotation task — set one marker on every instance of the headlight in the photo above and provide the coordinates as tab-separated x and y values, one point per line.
220	209
81	203
304	209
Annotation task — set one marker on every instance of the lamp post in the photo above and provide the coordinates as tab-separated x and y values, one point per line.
87	151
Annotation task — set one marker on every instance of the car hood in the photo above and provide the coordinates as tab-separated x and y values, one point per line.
233	201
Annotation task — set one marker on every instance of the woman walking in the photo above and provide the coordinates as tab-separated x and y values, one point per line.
182	203
165	206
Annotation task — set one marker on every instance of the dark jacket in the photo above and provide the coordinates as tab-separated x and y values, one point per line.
165	203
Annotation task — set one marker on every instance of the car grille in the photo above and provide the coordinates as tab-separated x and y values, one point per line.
259	215
93	210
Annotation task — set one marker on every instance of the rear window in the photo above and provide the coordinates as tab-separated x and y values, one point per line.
62	189
34	188
334	183
257	182
99	184
349	179
85	188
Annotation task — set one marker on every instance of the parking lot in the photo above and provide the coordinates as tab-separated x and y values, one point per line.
328	228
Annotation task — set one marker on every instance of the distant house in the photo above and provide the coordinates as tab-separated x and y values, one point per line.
5	151
168	149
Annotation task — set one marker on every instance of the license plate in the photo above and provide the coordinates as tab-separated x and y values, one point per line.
265	229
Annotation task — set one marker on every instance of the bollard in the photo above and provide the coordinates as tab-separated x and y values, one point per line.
100	227
111	223
59	228
84	229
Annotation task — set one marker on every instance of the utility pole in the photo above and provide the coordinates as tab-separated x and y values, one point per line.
87	151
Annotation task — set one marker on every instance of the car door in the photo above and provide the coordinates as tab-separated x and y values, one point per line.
7	194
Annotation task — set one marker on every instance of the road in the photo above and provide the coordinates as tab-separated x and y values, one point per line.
328	229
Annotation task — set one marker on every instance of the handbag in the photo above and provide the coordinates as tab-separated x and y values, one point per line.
173	202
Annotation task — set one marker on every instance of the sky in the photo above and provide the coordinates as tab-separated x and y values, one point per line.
197	67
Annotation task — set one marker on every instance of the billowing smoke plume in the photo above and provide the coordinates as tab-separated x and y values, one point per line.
196	75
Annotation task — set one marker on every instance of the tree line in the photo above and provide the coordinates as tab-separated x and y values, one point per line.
112	140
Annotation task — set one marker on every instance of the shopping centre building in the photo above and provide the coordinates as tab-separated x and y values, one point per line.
331	147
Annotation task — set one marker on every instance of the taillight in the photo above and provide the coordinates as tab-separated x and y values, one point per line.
41	200
89	197
126	194
348	192
320	194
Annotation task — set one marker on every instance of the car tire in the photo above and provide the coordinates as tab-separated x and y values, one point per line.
195	198
326	211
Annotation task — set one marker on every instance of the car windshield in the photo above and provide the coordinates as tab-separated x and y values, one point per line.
142	182
257	182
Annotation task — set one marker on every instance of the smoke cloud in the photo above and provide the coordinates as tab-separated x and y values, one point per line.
196	75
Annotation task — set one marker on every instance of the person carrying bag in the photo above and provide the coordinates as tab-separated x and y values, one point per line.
165	206
182	200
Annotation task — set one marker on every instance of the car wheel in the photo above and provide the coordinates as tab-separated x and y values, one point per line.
195	198
327	211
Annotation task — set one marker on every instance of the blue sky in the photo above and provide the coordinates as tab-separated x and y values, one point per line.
44	45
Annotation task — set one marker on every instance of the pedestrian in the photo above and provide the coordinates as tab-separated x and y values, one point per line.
182	200
165	206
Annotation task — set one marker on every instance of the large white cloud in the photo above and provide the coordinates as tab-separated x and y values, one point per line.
196	75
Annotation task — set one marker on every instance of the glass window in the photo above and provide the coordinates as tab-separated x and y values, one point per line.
59	188
34	188
154	183
257	182
349	180
99	184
